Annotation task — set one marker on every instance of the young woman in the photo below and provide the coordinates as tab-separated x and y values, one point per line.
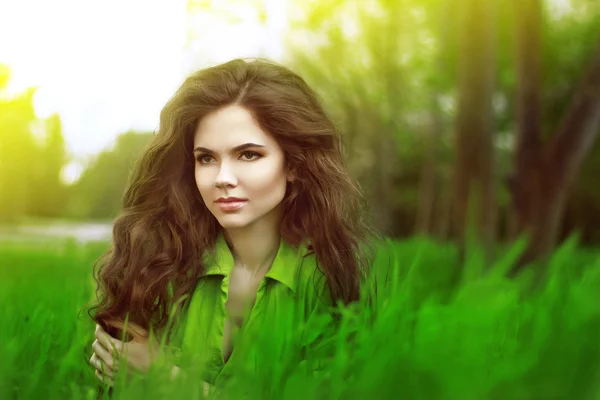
241	206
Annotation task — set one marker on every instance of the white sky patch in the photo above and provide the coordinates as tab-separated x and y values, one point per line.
558	8
105	67
232	29
71	172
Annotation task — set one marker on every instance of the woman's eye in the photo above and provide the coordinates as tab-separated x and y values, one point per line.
250	155
202	159
245	156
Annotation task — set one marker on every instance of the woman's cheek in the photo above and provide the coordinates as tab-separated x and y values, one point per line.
202	183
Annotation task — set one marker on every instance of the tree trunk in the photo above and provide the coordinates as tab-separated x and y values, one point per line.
544	174
474	178
444	220
443	210
386	151
428	179
527	187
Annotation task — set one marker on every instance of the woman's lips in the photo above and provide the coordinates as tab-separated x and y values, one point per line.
231	205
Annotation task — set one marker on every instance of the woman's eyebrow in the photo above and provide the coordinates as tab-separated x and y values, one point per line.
235	149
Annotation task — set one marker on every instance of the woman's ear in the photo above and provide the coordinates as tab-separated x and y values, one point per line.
291	175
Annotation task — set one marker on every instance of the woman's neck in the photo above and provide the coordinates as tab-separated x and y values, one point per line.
254	247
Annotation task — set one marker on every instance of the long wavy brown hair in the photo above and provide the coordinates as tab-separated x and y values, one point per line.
164	227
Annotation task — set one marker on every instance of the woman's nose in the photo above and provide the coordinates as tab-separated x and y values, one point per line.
225	177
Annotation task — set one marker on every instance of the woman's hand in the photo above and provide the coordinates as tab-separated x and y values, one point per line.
103	362
110	354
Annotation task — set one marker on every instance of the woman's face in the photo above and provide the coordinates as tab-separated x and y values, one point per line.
236	158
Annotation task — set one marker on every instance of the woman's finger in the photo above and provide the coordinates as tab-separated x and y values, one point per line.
100	366
104	378
104	355
108	341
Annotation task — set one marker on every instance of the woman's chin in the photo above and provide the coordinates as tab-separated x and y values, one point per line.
231	222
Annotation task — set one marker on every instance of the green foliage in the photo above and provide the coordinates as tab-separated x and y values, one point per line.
50	194
32	155
387	73
4	76
16	147
99	191
422	337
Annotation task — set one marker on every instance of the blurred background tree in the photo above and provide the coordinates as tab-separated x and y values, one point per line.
32	156
98	193
454	88
547	163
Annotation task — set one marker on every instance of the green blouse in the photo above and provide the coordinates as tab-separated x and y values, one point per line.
293	287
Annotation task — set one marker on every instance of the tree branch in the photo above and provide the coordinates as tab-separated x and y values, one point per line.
580	126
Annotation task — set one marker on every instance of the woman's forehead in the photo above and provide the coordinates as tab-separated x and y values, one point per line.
230	116
227	128
235	139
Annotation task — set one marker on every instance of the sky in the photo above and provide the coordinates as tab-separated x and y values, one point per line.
109	66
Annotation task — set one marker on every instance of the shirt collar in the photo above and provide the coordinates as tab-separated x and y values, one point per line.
284	268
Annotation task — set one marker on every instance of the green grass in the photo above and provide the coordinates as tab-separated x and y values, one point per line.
488	338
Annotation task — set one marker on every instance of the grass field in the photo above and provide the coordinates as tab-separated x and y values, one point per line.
488	338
